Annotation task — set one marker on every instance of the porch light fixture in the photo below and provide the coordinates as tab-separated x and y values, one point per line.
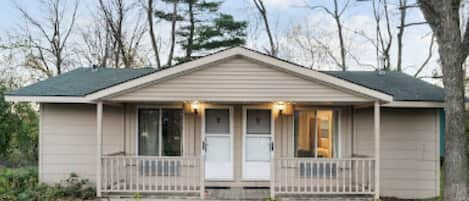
195	106
280	107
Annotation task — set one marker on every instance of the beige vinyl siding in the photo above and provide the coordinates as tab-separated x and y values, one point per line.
409	150
68	139
238	80
409	144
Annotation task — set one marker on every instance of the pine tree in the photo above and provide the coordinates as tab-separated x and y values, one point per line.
206	29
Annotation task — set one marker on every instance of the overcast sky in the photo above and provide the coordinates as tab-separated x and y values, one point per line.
283	15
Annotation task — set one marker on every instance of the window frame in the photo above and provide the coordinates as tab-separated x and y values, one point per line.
160	129
339	129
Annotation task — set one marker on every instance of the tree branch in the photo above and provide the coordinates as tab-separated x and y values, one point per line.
430	52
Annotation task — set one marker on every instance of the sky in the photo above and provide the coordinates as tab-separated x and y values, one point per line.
283	16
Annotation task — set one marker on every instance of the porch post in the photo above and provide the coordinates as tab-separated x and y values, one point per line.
202	155
272	170
99	137
377	123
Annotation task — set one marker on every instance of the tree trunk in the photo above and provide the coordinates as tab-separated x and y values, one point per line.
173	33
190	38
400	34
443	17
152	33
455	142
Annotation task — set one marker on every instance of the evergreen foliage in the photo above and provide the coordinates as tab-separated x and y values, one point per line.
18	132
205	29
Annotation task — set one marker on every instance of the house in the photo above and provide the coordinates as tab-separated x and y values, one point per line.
240	118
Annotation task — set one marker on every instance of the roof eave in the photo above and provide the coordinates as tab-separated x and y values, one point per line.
48	99
415	104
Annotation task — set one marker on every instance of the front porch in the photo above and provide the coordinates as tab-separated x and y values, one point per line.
291	172
131	174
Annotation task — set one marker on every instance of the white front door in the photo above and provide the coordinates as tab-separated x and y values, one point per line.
258	145
218	130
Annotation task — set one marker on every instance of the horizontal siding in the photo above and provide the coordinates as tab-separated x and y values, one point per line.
238	80
409	150
68	137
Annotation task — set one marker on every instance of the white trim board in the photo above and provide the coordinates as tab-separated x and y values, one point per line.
415	104
48	99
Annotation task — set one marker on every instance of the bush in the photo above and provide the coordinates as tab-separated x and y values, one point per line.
22	185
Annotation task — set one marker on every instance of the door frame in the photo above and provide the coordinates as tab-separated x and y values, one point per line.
203	136
244	130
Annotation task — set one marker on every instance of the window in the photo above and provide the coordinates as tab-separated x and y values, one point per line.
217	121
316	133
159	132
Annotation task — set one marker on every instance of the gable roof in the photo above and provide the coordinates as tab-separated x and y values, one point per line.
83	81
249	54
88	84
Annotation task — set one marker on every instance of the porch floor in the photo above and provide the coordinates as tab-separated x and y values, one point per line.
232	194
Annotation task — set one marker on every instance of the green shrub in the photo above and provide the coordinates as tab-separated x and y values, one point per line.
22	185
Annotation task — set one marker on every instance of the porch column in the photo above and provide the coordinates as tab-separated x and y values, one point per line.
377	123
99	137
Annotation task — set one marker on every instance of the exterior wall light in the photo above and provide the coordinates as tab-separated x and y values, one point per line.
280	107
195	106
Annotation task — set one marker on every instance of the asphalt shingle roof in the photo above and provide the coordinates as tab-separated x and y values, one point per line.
401	86
81	82
84	81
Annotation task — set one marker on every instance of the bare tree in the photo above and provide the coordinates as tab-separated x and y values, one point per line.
263	12
96	45
115	25
404	7
126	38
45	42
303	40
95	42
336	13
444	19
385	42
151	32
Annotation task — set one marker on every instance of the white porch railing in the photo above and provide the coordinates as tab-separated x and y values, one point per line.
150	174
324	176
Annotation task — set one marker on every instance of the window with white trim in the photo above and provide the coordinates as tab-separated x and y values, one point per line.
316	133
160	132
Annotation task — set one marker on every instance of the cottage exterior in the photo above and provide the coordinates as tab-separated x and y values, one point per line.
239	118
